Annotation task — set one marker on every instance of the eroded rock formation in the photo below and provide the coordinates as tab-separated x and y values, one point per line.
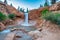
36	13
55	7
6	9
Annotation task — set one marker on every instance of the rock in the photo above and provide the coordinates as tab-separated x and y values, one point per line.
22	36
36	13
45	35
7	9
10	36
8	22
2	26
18	29
35	34
55	7
18	36
15	11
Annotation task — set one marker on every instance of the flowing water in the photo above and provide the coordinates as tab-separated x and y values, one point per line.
24	25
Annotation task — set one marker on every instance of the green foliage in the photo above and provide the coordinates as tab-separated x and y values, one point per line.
53	17
2	16
44	12
11	16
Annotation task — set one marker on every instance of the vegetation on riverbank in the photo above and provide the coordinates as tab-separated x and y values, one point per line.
53	17
11	16
4	17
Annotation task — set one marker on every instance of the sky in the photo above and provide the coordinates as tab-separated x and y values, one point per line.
30	4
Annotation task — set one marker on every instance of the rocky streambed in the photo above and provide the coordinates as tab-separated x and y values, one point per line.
16	32
45	31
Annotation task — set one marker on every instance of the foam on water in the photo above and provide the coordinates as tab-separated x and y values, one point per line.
26	20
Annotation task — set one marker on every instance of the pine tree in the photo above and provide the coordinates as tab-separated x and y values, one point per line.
27	10
46	3
53	1
5	1
18	8
23	10
11	4
41	5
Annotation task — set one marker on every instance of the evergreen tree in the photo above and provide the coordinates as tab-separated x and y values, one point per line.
27	10
46	3
11	4
53	1
41	5
18	8
21	9
5	1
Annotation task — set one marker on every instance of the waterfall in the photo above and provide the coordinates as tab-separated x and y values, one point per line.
26	23
26	18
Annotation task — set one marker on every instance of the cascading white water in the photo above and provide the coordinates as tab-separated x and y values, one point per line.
26	20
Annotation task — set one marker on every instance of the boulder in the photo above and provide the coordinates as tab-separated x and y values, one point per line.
18	29
8	22
35	34
2	27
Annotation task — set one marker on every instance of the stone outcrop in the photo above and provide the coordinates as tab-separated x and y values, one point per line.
15	11
46	31
44	23
2	26
8	22
36	13
55	7
44	35
7	9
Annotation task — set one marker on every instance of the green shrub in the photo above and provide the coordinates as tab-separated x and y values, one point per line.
53	17
2	16
44	12
11	16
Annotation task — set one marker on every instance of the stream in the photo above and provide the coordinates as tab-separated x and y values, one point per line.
24	25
